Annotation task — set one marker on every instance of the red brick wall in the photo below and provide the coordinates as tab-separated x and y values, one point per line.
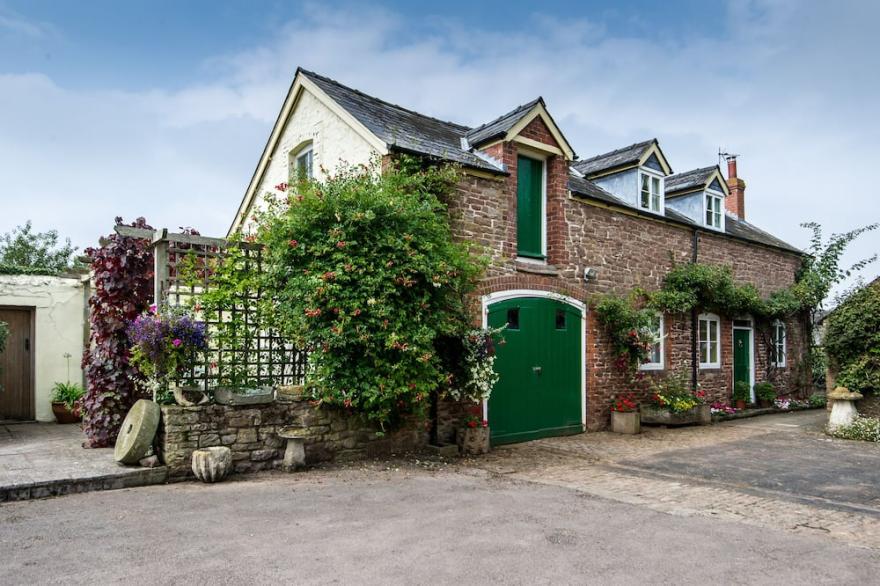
627	251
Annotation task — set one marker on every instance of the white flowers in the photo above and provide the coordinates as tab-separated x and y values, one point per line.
478	367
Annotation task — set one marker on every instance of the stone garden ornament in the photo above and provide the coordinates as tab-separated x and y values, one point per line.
843	408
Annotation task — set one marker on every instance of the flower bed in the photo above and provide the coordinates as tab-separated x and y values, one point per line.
651	415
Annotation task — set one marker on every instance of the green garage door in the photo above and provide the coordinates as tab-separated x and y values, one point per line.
539	390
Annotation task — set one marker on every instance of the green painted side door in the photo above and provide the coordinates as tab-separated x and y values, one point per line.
538	393
529	207
742	356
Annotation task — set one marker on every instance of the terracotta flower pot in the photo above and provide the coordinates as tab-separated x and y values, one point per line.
628	422
740	404
65	415
473	441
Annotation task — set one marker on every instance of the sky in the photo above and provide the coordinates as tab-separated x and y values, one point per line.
161	109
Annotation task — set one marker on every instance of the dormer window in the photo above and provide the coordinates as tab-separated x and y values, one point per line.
714	210
651	192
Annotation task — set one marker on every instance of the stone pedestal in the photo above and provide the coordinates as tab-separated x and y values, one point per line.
843	409
295	451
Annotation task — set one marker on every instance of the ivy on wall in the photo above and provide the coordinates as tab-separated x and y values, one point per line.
123	279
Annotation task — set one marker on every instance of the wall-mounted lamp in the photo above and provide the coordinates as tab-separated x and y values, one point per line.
589	274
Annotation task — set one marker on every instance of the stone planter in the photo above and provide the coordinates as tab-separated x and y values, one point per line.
190	396
473	441
212	464
655	416
626	422
259	396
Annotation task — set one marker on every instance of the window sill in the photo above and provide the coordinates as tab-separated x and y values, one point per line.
651	367
536	267
710	367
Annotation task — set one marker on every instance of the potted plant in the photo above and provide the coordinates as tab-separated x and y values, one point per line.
674	403
473	436
625	416
166	345
741	394
67	402
475	378
765	393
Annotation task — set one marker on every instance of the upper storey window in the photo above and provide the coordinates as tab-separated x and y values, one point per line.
301	163
530	195
650	191
714	210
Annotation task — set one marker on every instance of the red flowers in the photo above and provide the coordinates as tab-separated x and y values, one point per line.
340	244
313	312
625	404
292	243
281	187
328	276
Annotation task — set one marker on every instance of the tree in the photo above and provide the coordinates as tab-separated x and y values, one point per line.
26	249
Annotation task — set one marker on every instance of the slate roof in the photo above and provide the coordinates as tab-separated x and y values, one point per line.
499	127
409	131
692	179
733	226
614	159
403	129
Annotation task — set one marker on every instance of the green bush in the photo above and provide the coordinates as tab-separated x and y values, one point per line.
67	393
363	272
852	340
863	428
817	400
742	391
765	391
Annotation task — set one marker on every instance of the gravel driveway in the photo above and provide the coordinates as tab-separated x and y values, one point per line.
381	525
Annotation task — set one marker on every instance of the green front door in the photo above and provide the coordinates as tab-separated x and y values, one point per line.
742	356
539	391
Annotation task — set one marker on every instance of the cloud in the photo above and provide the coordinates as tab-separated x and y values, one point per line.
17	24
787	85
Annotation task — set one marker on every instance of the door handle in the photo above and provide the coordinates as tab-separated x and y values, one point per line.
537	369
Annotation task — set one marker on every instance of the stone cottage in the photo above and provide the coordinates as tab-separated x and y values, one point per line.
560	230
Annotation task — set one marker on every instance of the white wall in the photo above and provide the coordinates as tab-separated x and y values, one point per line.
59	304
335	144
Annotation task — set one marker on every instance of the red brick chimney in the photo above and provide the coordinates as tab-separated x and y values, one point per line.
736	201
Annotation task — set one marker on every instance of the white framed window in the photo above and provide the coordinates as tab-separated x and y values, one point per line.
779	344
301	163
656	353
714	210
650	191
709	329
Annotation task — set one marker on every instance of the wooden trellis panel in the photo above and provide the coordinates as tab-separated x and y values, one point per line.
184	272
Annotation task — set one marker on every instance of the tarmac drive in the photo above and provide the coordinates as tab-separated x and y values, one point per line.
378	525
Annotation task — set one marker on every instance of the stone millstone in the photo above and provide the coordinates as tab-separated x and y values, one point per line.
137	432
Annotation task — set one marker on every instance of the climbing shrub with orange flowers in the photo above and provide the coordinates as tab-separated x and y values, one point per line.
363	272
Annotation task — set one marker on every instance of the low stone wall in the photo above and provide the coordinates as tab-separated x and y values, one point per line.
251	433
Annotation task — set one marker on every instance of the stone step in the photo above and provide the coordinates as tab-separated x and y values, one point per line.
21	491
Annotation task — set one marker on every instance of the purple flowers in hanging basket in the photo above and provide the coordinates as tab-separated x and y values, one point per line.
167	341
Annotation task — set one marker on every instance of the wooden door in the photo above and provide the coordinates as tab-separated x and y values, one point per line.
16	366
538	393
